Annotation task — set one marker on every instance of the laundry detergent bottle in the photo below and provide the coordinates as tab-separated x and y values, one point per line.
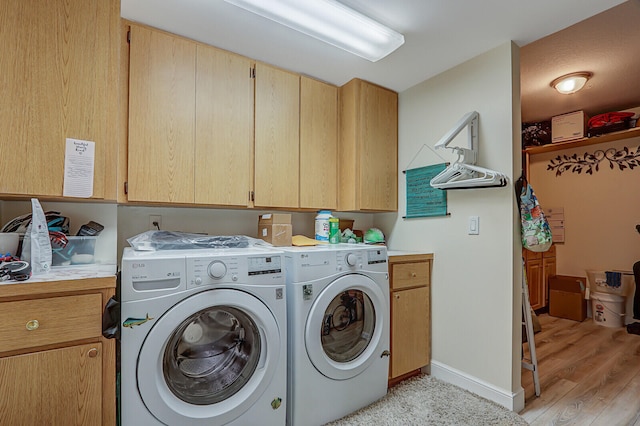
322	225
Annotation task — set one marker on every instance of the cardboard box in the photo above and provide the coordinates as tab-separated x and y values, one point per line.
566	297
275	218
568	127
275	228
345	223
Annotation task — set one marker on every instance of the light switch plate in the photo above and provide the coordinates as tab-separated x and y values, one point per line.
474	225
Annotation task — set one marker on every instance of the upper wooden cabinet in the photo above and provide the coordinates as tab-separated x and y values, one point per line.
190	121
59	66
368	154
162	90
318	144
277	137
224	127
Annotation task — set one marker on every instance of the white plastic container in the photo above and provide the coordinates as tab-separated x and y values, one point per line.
322	225
597	283
608	309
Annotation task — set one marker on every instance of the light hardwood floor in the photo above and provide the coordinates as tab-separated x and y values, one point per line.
589	375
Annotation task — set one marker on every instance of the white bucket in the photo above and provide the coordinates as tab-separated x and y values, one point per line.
607	309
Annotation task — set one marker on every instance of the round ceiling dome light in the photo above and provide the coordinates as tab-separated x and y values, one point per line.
571	83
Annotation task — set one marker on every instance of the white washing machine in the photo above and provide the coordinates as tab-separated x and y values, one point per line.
338	316
203	339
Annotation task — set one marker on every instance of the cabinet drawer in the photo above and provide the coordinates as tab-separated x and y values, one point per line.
39	322
405	275
550	253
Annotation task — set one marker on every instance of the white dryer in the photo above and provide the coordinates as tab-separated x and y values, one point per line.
203	339
338	316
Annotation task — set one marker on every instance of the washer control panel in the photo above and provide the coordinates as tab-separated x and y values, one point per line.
211	270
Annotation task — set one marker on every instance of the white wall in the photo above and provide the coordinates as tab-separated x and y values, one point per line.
601	210
78	214
133	220
476	286
122	222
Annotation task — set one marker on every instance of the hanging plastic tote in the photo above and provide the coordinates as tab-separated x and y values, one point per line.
536	233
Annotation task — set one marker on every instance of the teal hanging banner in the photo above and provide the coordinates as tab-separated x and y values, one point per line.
422	199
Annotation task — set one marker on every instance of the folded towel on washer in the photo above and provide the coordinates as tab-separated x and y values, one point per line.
614	279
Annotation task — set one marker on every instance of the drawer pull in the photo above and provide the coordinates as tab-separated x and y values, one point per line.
32	325
93	352
413	275
397	296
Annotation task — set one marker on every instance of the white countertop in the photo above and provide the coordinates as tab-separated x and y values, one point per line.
59	273
404	252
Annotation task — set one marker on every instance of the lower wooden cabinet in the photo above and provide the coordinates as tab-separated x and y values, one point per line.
55	366
410	285
539	267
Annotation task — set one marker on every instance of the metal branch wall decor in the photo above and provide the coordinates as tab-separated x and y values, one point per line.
624	158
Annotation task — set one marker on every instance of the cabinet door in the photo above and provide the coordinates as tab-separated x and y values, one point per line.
368	148
161	117
57	387
549	269
224	127
410	330
318	144
277	137
534	281
59	80
378	150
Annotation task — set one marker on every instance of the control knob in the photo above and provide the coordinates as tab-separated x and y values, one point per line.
217	269
350	259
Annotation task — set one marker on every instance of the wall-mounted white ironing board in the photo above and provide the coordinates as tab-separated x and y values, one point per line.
532	362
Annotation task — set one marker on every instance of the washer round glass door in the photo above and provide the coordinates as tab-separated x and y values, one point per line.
344	330
209	357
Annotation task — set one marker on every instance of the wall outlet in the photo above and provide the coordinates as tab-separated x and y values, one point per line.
155	222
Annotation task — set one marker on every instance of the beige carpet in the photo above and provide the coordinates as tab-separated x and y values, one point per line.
425	400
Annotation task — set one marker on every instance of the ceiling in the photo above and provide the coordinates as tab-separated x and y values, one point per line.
606	44
439	34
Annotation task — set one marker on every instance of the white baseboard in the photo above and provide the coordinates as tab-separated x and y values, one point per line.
510	400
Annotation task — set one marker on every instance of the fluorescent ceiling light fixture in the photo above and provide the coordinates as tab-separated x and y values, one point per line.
571	83
331	22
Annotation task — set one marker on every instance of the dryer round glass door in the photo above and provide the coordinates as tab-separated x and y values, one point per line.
347	327
210	357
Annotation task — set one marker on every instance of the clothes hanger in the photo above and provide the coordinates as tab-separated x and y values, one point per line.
463	173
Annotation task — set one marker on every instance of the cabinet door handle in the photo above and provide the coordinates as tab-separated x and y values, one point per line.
33	325
413	275
397	296
93	352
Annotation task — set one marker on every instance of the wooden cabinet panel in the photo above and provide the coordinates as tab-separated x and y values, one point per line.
548	270
534	281
57	387
539	267
40	322
61	372
224	128
410	333
161	117
410	284
318	144
59	67
368	153
277	137
407	275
